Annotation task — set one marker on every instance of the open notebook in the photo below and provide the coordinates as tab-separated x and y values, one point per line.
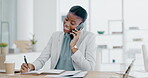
45	72
59	73
70	74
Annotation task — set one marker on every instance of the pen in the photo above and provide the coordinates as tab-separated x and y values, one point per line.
26	63
25	60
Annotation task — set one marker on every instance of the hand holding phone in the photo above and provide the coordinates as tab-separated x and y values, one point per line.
78	28
75	37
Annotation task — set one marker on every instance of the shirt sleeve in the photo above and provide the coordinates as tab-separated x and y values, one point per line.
45	55
86	62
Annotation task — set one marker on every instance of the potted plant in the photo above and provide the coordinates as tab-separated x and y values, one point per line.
33	42
3	48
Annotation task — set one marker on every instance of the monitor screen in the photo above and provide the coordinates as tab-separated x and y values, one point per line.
145	56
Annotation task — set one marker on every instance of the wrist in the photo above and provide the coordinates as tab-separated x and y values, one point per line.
74	49
32	67
72	46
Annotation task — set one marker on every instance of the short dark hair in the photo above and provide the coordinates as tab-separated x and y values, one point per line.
79	11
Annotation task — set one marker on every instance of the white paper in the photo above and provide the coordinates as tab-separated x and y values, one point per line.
32	72
45	72
70	74
52	71
53	76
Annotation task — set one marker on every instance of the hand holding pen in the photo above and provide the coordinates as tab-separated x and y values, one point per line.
25	67
26	63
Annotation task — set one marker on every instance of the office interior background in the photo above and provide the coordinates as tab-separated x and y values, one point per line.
124	23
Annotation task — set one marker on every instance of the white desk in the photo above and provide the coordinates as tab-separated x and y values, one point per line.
91	74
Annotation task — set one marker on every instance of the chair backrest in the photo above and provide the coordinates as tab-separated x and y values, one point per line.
145	57
23	45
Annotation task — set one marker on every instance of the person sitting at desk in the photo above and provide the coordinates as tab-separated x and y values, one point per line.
70	50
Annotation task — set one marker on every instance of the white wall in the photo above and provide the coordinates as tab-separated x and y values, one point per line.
44	21
38	17
102	11
24	19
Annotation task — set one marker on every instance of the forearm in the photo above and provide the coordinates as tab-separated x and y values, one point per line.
84	63
73	49
37	64
41	60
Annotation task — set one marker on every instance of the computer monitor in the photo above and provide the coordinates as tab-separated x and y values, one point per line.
145	57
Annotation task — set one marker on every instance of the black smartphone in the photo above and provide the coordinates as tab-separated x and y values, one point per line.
78	28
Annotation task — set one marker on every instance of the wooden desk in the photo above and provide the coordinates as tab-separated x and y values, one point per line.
91	74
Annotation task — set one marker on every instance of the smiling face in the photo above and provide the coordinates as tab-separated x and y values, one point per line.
71	22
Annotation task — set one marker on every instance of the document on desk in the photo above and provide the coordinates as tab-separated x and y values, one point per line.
139	74
45	72
70	74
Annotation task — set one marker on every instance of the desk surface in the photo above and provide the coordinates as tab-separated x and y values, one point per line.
91	74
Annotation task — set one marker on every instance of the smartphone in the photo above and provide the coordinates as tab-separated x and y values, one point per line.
78	28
